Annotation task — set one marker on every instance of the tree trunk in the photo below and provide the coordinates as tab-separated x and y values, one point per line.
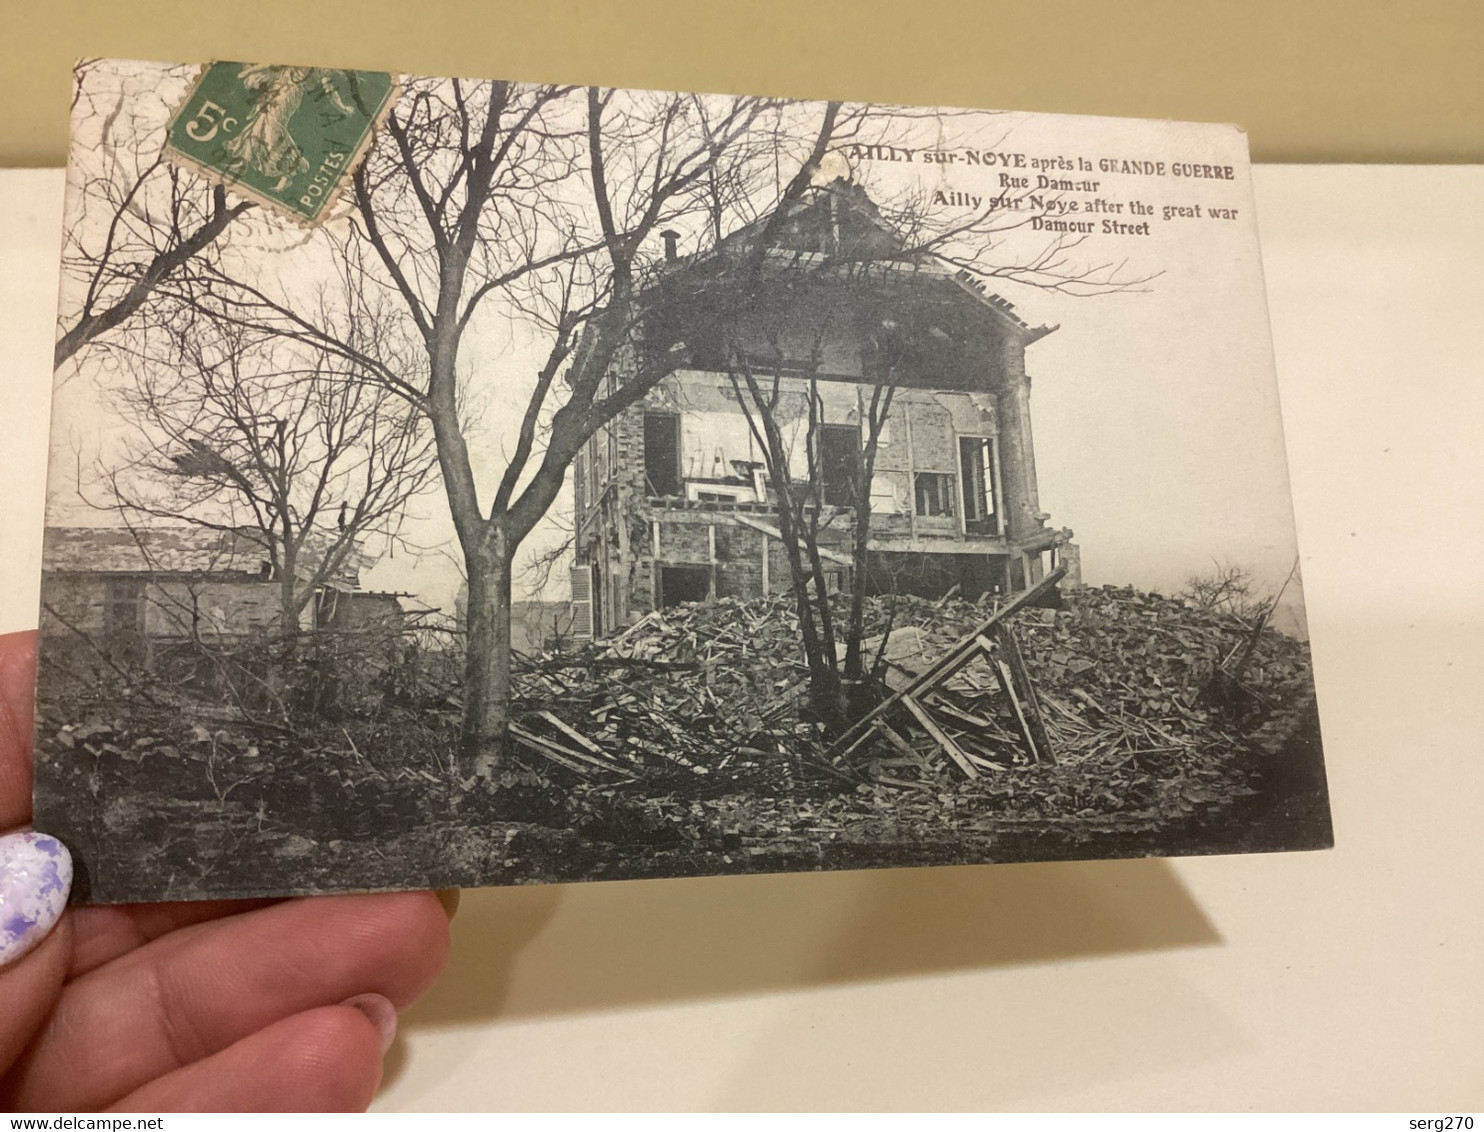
857	698
860	560
826	694
487	660
281	653
860	556
288	612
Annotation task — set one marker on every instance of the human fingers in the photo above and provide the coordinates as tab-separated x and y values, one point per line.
193	993
35	877
29	988
17	707
103	932
324	1060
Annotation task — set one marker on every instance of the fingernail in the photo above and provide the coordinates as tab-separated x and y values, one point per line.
382	1013
35	877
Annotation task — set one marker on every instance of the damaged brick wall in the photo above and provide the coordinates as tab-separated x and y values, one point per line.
917	490
170	609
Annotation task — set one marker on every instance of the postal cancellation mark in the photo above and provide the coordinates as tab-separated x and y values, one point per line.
289	138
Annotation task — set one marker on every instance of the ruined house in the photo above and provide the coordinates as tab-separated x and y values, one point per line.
672	501
136	590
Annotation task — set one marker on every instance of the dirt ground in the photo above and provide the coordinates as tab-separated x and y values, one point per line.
166	797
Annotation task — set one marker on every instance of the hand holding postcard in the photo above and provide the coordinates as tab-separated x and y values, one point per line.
467	482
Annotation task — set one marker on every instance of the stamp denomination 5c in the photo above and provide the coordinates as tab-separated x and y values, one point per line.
287	137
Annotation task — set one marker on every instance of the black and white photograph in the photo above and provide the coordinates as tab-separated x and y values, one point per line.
486	483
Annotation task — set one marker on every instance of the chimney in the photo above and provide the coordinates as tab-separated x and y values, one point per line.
671	237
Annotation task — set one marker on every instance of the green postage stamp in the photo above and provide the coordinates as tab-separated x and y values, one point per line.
287	137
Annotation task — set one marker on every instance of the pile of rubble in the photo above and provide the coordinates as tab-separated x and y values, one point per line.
703	689
1150	707
1139	701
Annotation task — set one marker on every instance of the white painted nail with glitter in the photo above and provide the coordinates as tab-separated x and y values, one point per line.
35	877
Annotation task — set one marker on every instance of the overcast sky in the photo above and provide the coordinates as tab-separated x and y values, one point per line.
1154	409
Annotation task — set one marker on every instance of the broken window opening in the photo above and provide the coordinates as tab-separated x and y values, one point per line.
716	497
662	453
123	607
684	583
980	492
839	462
326	601
594	478
934	493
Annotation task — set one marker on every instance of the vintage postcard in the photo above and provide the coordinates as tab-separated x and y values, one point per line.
469	482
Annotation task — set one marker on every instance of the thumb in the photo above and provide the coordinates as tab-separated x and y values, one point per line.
17	697
35	877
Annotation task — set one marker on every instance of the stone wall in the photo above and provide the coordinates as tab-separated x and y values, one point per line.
161	610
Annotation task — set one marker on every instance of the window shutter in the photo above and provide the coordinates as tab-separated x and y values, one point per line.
582	603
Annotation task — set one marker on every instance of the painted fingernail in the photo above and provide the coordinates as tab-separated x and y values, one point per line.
35	877
382	1013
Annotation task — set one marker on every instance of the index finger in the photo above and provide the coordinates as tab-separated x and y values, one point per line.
17	710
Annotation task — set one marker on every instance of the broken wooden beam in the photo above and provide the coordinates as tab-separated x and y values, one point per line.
896	740
566	756
1017	708
1034	722
960	654
941	737
773	532
1006	681
548	750
571	733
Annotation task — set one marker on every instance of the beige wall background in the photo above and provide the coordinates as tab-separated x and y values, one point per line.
1311	80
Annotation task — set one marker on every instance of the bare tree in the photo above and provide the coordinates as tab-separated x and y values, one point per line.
815	502
255	434
801	517
535	205
532	209
138	219
859	284
1228	588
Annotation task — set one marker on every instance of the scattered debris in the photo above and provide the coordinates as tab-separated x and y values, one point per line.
1110	716
1014	684
1122	689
